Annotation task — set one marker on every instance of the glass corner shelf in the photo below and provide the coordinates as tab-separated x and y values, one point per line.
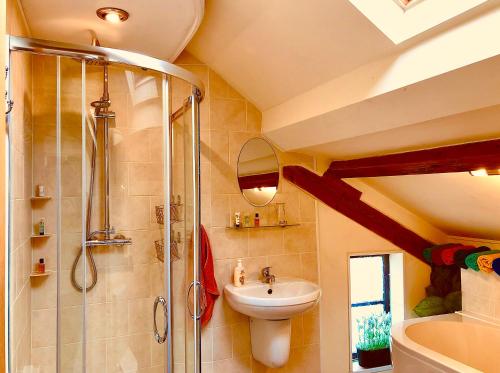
264	226
38	198
41	235
39	274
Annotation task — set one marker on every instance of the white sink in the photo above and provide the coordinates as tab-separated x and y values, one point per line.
282	300
270	308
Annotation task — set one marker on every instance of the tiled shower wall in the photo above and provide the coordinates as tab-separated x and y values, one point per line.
228	121
21	136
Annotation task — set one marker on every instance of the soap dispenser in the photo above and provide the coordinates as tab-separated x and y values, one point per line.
239	274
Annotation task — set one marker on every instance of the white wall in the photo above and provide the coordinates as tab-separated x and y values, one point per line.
338	237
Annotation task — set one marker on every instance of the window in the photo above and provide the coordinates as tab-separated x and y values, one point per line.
401	20
370	289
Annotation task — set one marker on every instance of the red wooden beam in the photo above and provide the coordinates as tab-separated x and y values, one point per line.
338	195
259	181
456	158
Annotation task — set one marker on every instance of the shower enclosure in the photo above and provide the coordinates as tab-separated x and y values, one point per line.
104	189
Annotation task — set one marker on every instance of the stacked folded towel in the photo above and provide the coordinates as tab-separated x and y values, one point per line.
496	266
485	262
448	254
428	252
472	260
460	255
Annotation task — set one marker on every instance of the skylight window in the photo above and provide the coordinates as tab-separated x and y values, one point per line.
401	20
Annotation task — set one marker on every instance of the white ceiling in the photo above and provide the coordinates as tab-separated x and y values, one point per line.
157	28
457	203
271	51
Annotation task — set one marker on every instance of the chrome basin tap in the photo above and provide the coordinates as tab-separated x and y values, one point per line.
268	278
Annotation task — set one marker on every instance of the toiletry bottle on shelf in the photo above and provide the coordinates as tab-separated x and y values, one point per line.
256	220
41	227
237	219
246	220
41	266
40	190
239	274
281	214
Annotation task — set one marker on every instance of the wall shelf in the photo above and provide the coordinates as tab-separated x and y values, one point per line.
36	274
264	226
41	235
44	198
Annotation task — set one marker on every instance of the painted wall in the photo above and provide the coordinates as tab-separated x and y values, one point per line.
339	237
228	121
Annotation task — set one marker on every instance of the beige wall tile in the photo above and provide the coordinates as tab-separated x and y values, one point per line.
286	265
241	339
266	242
227	114
240	364
301	239
128	353
222	343
227	243
43	328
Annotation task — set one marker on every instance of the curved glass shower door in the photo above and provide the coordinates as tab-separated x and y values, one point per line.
104	187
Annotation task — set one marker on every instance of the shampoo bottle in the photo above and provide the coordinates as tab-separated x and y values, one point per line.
239	274
41	227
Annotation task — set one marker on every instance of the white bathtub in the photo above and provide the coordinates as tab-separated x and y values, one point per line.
446	343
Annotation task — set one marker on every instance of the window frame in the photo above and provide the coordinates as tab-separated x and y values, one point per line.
386	292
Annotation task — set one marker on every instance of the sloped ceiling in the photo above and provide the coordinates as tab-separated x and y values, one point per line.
273	50
457	203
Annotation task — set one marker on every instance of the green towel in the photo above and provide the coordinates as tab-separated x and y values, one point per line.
428	251
428	254
430	306
471	260
453	302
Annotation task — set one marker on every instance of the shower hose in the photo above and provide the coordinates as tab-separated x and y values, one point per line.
88	249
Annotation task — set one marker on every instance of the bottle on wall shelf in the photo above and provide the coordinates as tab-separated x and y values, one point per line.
40	190
237	219
246	220
281	214
40	266
239	274
41	227
256	220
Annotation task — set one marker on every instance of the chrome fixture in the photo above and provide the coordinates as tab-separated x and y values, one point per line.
112	15
160	338
91	53
99	237
268	278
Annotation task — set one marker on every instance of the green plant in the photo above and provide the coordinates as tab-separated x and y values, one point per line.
374	332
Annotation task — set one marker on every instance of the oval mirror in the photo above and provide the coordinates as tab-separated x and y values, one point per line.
258	172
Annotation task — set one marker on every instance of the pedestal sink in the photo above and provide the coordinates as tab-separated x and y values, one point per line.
270	308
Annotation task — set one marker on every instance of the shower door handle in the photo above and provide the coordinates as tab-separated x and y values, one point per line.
160	338
202	301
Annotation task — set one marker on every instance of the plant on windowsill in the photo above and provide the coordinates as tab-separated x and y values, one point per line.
374	340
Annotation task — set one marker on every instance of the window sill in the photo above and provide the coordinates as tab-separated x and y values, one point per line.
356	368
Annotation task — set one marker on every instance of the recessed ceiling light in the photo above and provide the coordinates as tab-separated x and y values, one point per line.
112	15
